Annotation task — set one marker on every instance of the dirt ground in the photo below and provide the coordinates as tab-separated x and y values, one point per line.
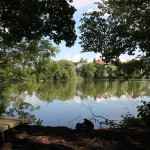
61	138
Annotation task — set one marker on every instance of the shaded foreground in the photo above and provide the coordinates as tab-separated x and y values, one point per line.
61	138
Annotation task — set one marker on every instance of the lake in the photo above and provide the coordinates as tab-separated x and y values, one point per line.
65	103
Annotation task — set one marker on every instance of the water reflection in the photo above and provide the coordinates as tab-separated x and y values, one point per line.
110	89
63	90
57	103
5	93
14	97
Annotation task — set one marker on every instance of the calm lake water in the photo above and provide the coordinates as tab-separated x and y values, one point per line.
65	103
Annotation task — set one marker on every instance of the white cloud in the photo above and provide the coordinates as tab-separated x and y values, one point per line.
76	58
77	99
97	57
80	4
67	56
91	59
90	10
33	100
123	58
99	100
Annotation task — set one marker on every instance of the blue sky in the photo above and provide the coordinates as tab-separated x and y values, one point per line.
74	53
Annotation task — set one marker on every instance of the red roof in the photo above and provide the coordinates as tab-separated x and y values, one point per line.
128	60
103	95
100	95
100	62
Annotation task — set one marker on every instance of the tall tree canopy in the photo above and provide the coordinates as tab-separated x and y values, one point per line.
119	27
32	19
34	54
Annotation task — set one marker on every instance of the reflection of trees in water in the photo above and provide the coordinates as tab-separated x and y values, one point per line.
4	96
117	88
97	88
16	97
66	90
135	88
63	90
22	110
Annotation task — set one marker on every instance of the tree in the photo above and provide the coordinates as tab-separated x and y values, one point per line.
33	19
67	68
87	71
5	92
94	61
124	30
131	69
110	71
100	71
35	54
82	60
51	68
22	26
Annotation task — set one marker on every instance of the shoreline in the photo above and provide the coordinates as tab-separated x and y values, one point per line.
26	137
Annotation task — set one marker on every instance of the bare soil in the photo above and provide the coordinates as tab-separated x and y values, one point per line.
62	138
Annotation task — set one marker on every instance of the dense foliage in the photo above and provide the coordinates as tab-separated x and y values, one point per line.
118	27
23	26
125	28
121	70
87	71
62	69
142	119
20	61
33	19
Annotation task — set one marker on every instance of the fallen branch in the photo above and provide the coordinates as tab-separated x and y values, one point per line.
70	122
107	121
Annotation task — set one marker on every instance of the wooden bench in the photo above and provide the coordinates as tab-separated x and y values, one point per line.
8	123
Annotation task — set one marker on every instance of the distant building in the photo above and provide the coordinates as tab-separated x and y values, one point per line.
105	95
100	62
128	60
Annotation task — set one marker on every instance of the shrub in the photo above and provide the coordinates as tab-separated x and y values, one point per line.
143	117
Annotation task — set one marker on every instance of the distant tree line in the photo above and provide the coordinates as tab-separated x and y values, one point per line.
120	70
65	69
58	70
25	66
